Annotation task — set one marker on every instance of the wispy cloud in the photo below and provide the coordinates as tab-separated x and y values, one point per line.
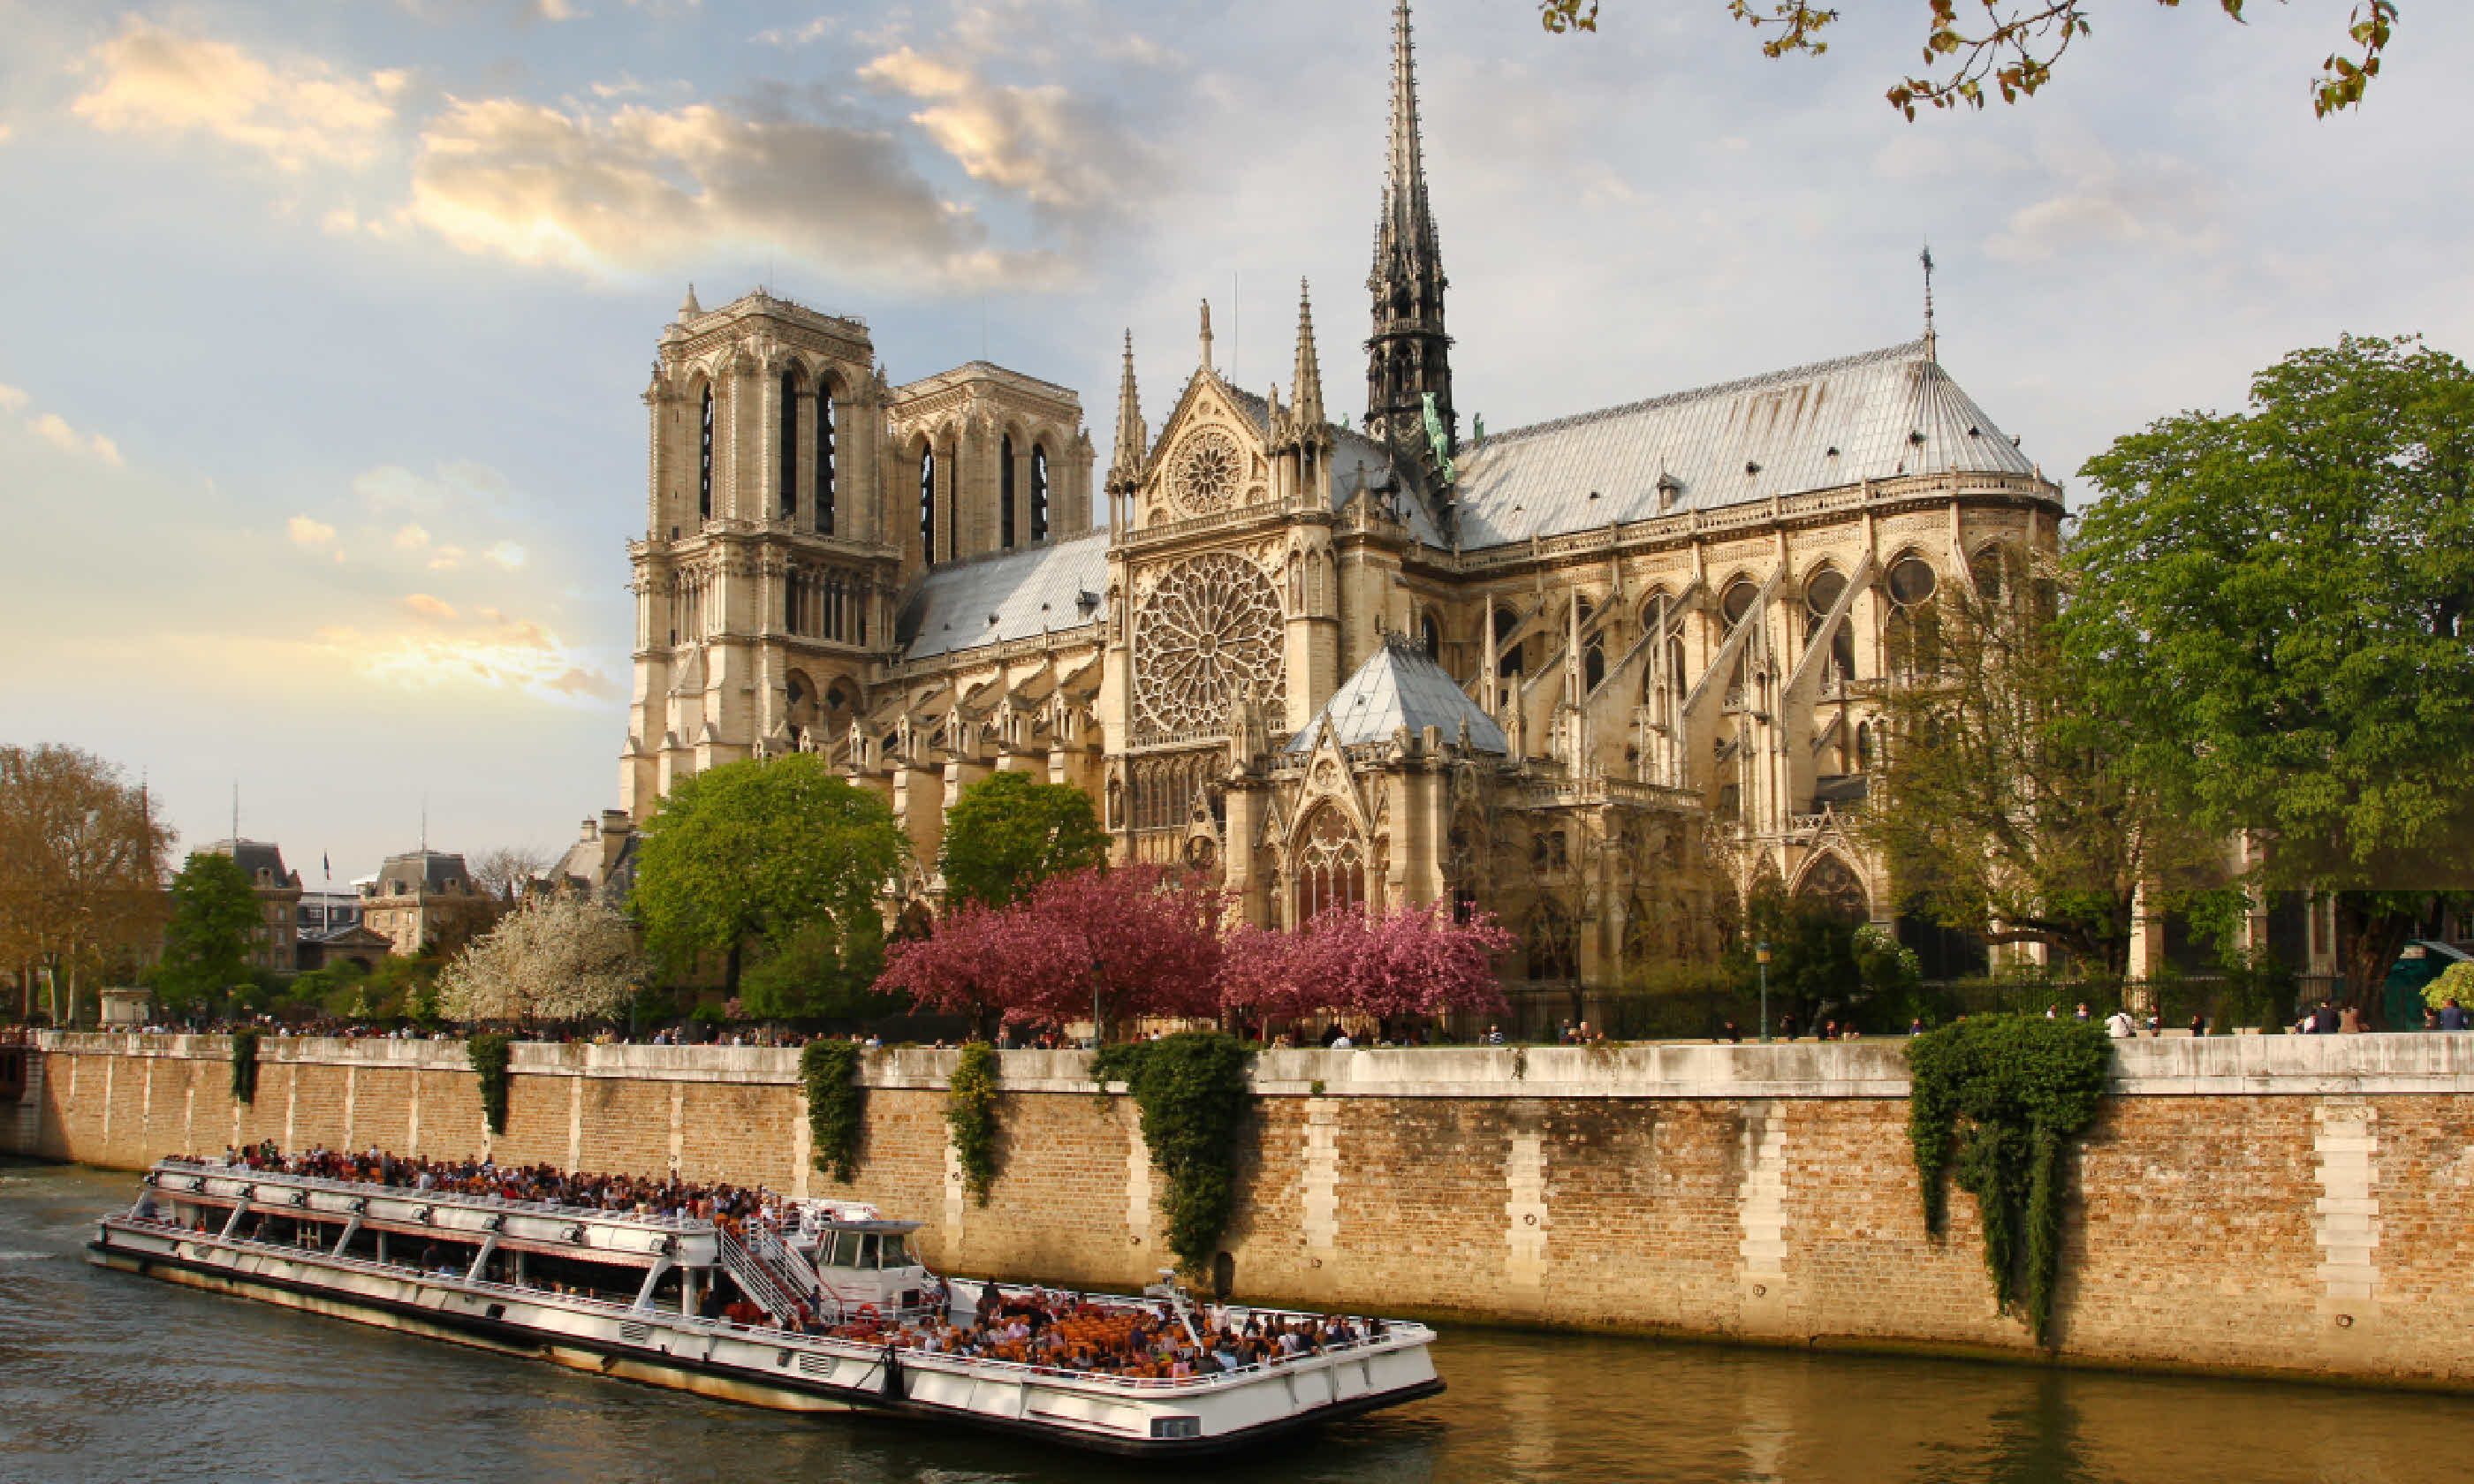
55	429
1040	141
641	189
307	532
294	112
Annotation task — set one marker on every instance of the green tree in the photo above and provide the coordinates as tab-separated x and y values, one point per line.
2014	49
752	854
2272	609
1007	834
205	947
2005	804
820	972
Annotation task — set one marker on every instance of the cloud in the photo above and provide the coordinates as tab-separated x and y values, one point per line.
644	189
410	538
307	532
506	554
10	397
2157	202
55	430
508	656
1037	141
154	80
448	559
428	607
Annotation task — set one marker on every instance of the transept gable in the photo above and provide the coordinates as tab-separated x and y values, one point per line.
1212	455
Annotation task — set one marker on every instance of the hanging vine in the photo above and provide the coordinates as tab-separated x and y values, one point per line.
244	1066
830	1070
488	1055
1191	1090
2001	1097
971	1117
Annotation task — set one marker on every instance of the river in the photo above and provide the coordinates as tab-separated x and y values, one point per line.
107	1376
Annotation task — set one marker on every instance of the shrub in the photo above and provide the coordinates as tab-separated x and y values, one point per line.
971	1117
244	1066
1191	1090
488	1054
830	1070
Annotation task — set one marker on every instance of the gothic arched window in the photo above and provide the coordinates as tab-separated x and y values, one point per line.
789	443
1820	596
1985	566
1738	601
928	504
1330	865
1038	494
825	481
1507	660
1551	943
1004	491
1913	637
1431	637
704	459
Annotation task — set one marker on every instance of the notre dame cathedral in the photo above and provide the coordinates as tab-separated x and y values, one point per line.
1599	675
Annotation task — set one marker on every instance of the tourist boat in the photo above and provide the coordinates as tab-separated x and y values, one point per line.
620	1294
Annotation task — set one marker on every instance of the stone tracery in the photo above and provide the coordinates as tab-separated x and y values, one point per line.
1208	630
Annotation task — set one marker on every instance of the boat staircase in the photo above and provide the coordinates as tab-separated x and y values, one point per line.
764	1277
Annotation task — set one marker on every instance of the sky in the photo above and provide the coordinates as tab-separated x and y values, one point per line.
322	328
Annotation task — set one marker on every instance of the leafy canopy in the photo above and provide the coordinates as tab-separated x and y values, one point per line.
2014	47
206	946
2272	608
756	853
2007	803
1007	834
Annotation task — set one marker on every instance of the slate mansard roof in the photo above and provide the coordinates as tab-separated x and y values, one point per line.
253	857
1398	687
1014	596
1876	416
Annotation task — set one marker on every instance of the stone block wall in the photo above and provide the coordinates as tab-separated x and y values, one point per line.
2274	1205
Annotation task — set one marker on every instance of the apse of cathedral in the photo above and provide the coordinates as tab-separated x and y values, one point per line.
1600	676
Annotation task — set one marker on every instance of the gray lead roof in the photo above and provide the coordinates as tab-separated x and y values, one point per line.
1398	687
1811	427
1016	596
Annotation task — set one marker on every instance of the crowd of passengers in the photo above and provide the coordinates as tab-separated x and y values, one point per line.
727	1205
1034	1326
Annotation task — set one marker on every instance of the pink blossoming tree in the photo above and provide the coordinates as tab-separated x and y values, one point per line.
1411	961
1139	940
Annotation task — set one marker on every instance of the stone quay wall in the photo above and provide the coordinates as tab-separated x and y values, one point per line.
2301	1205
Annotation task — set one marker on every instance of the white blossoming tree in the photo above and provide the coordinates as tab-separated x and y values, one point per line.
558	959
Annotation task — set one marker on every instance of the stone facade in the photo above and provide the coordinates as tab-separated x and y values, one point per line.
426	900
2255	1204
1665	622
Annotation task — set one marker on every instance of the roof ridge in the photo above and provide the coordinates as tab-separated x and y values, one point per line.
1907	351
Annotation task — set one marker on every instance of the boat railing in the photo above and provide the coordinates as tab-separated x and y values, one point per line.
445	1197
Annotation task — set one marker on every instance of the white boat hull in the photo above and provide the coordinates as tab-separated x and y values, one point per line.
791	1371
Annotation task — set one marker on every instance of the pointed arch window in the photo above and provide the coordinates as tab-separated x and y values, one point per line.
825	481
1331	865
1430	638
789	443
1820	596
1038	494
1004	491
1508	660
1912	642
704	459
928	504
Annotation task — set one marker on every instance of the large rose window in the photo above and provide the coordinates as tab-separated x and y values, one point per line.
1210	628
1204	473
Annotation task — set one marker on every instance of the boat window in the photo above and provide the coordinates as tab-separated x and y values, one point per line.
867	1250
842	1249
896	1256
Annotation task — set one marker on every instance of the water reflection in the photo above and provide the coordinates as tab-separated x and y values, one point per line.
108	1377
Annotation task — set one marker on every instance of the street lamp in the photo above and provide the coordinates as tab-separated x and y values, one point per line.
1761	957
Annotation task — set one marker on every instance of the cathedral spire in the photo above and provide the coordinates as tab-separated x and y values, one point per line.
1126	465
1408	356
1305	383
1206	334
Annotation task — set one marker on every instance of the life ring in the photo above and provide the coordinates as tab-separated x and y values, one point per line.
867	1313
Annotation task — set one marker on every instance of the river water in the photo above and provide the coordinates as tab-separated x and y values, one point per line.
107	1376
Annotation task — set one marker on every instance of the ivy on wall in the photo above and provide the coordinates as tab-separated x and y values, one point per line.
971	1117
244	1066
1191	1090
488	1054
2001	1097
829	1070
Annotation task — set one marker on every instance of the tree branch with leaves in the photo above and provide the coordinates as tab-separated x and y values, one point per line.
2010	48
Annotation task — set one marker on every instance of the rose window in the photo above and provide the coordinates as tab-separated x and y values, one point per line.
1210	628
1205	473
